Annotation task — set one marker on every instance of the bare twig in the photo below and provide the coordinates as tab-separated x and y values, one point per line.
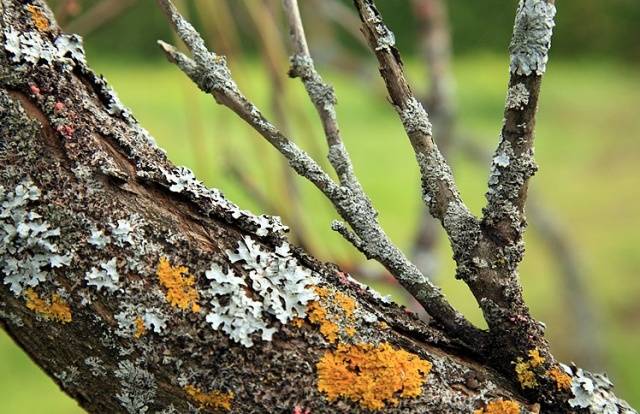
439	189
210	72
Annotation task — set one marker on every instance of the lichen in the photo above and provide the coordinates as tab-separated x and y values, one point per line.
215	399
525	368
55	308
31	47
106	277
141	329
517	96
561	378
39	19
137	387
180	285
500	407
27	243
281	288
371	375
531	40
333	312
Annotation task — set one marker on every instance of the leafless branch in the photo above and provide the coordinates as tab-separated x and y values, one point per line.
439	189
210	72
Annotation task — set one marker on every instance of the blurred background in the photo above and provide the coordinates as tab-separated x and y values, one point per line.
581	269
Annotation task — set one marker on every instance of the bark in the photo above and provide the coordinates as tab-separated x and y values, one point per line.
140	290
64	132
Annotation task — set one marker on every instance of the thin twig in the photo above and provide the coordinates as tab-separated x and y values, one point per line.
210	72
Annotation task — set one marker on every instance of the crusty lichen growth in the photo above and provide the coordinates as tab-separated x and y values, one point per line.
180	285
39	19
561	378
215	399
141	329
525	369
333	313
371	375
500	407
531	39
56	308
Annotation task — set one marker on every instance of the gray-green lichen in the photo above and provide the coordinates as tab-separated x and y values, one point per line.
594	392
137	387
280	286
27	243
531	39
517	96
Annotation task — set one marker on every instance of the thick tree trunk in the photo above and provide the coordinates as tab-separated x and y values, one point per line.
88	302
140	290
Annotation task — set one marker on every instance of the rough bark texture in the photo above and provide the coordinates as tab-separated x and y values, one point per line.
140	290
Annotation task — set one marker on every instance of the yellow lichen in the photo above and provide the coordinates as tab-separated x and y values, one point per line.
332	311
180	285
140	328
535	359
524	369
318	316
347	303
297	322
371	375
55	308
526	377
562	379
39	19
214	399
500	407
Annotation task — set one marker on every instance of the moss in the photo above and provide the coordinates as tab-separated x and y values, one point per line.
54	309
39	19
181	291
214	399
371	375
561	378
500	407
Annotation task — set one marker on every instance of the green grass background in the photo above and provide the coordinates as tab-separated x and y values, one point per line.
587	145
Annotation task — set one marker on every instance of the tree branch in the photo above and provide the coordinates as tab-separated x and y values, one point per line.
439	189
210	73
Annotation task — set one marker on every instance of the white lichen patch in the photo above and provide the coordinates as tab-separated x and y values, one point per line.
137	387
414	118
182	180
97	238
594	392
96	366
31	47
281	287
122	233
531	40
106	276
501	160
27	249
517	96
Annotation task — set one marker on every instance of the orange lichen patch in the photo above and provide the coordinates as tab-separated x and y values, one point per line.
214	399
383	325
39	19
333	312
56	308
562	379
297	322
318	316
371	375
500	407
180	285
535	359
140	328
347	303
